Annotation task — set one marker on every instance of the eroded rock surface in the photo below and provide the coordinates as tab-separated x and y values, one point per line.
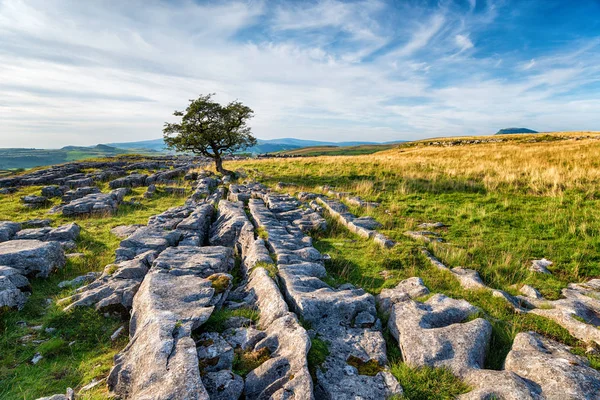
435	334
559	373
115	288
161	361
362	226
345	319
32	257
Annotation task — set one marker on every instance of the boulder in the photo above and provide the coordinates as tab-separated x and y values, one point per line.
540	266
79	193
53	191
559	373
223	385
80	280
32	257
133	180
8	230
10	295
434	333
35	201
115	288
410	288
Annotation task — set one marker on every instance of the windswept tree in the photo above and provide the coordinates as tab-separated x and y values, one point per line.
210	129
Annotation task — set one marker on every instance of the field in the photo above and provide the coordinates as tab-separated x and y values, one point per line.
337	151
11	159
79	349
504	200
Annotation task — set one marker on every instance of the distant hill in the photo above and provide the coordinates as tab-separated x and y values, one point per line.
263	146
29	158
508	131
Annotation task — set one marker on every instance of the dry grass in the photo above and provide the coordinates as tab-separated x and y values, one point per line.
546	167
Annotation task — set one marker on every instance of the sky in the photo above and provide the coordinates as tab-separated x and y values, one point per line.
78	72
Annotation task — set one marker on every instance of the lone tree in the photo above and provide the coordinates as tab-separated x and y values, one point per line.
207	128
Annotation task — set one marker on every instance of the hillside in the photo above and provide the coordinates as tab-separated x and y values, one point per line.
438	241
29	158
337	150
263	146
509	131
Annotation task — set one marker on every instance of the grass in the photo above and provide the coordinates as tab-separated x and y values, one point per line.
319	350
246	361
80	348
427	383
218	319
506	200
337	151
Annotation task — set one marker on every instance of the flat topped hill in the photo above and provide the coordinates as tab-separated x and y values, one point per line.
509	131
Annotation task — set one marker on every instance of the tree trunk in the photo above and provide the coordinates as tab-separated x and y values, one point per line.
219	165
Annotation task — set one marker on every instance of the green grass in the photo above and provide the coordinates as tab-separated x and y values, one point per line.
496	232
427	383
319	350
90	352
338	151
218	319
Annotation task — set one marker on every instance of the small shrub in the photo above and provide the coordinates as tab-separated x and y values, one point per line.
246	361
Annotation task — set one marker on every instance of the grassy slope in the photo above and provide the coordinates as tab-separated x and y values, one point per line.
505	203
338	151
80	349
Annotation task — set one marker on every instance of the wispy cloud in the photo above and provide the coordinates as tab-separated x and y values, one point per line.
76	72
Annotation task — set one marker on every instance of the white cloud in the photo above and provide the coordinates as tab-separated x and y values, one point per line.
463	42
97	72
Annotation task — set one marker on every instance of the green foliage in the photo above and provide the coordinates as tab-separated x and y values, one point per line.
220	283
319	350
428	383
370	368
217	320
79	349
210	129
246	361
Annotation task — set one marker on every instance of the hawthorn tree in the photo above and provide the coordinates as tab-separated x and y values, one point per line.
210	129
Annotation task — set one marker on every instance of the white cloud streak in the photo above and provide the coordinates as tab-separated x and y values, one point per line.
76	72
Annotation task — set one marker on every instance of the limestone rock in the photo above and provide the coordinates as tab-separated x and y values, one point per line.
35	201
123	231
468	278
80	280
214	352
285	375
530	291
32	257
70	395
115	288
8	230
410	288
223	385
434	334
559	373
269	299
147	239
160	362
506	385
95	203
540	266
79	193
10	295
133	180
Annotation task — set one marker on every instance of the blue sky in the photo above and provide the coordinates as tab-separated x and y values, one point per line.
86	72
